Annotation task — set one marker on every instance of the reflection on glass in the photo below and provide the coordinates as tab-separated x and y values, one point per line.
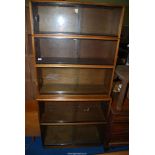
61	20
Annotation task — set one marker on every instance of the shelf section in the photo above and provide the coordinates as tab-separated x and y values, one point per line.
73	81
74	51
80	19
74	113
73	98
72	135
73	89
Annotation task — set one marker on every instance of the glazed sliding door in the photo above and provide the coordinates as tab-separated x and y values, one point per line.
76	19
54	18
75	51
74	81
100	20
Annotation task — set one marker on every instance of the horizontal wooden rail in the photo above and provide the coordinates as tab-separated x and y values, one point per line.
79	123
74	66
68	36
81	3
73	98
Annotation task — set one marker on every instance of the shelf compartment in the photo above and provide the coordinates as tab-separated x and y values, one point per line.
73	113
73	18
72	89
72	135
74	81
74	51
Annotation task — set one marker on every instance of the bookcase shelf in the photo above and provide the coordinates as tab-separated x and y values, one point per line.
73	66
72	135
73	113
74	81
73	89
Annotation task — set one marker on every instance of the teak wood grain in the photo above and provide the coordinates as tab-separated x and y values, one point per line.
31	119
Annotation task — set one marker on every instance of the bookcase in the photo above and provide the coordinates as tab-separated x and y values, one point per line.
75	48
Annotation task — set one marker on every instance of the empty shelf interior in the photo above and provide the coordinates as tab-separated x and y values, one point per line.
74	80
73	112
73	135
73	89
75	51
74	18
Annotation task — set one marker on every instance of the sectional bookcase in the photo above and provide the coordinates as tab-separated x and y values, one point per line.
75	48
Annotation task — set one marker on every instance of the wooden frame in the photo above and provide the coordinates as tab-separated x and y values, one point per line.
77	2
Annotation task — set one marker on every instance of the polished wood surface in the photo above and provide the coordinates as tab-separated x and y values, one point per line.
29	78
31	119
74	36
73	66
72	98
31	110
121	22
32	127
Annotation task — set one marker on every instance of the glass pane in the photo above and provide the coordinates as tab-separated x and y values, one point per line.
78	19
97	51
73	112
74	81
73	135
101	20
74	51
50	19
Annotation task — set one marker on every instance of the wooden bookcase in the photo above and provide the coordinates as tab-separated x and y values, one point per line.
75	48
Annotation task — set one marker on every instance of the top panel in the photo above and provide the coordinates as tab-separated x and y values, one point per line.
68	18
